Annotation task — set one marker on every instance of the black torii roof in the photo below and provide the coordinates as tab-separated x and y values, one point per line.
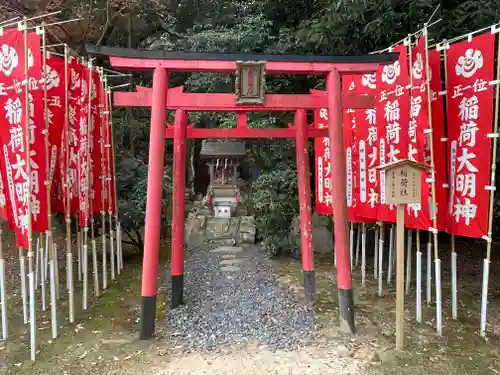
179	55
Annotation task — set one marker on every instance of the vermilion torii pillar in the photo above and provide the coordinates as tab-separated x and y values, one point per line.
339	202
304	182
178	201
153	203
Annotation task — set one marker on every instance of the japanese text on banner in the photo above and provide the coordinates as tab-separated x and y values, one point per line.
470	114
393	114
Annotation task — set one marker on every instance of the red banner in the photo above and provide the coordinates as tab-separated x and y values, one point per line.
110	177
350	83
85	141
393	114
13	134
56	104
97	145
39	198
323	165
366	135
418	214
438	138
470	115
75	71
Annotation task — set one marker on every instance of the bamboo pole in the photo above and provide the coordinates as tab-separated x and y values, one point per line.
91	124
31	276
104	170
48	182
492	200
113	179
24	293
437	261
67	190
409	245
391	255
453	252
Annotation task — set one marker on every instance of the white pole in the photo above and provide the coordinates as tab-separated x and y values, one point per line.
85	271
375	255
37	262
56	267
53	298
380	259
95	268
31	279
104	262
358	240
79	247
408	261
22	266
42	279
112	255
429	272
46	257
454	285
419	285
363	254
351	244
439	315
71	292
391	255
484	296
3	298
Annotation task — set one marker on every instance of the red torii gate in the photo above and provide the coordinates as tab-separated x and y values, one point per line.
160	98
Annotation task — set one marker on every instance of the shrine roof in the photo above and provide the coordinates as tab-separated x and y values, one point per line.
143	54
226	149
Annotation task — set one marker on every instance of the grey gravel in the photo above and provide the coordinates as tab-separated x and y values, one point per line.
237	307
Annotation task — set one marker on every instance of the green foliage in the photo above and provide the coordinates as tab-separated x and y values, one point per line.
274	195
132	182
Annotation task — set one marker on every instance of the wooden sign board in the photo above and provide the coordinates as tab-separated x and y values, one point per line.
403	182
250	82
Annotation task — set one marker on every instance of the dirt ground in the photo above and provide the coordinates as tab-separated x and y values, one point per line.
103	340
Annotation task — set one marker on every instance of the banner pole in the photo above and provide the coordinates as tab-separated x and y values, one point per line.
31	276
409	245
434	231
113	180
492	199
48	181
67	194
104	172
95	270
453	252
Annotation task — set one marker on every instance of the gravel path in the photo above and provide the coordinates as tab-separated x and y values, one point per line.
232	298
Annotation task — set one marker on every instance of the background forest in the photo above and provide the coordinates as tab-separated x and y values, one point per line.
333	27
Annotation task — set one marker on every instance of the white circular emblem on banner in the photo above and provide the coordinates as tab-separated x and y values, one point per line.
391	72
8	59
470	63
